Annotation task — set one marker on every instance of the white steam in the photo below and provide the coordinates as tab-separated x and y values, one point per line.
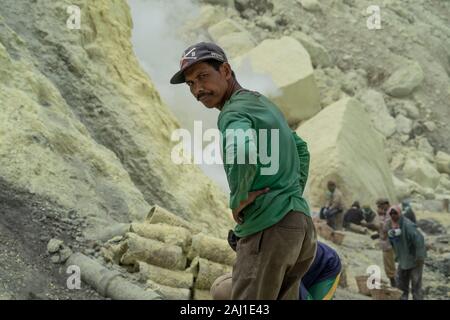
159	48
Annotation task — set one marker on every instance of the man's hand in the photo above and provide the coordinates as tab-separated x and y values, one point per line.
251	197
419	262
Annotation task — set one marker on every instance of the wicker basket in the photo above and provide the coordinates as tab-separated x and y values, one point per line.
361	282
325	231
385	293
337	237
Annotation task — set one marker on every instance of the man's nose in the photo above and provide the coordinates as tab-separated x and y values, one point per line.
196	89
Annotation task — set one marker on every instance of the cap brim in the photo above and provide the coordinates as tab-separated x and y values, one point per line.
179	76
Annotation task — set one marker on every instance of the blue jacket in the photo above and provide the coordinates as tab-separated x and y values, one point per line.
326	265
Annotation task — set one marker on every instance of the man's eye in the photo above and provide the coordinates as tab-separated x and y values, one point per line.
203	75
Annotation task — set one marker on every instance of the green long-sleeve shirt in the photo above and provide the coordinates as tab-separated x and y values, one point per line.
286	177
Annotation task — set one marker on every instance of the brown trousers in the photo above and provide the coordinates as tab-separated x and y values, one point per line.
389	263
270	264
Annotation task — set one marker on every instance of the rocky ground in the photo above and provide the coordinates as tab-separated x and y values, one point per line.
85	136
359	251
27	223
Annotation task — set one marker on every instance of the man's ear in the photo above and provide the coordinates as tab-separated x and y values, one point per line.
227	70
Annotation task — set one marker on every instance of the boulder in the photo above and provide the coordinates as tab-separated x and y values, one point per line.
443	162
64	254
441	243
444	182
259	6
424	146
54	245
420	170
236	43
409	110
310	5
432	205
405	80
354	81
344	147
266	22
224	28
208	16
431	226
329	83
319	55
403	189
375	105
441	265
403	124
430	126
290	68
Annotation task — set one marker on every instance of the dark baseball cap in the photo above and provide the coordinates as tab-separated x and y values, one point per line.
198	52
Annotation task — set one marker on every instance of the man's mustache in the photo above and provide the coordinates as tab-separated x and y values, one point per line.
201	95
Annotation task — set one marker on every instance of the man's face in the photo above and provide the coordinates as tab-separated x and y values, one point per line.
394	215
208	85
382	209
331	187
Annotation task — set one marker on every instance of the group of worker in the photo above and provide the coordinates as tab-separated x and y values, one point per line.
395	226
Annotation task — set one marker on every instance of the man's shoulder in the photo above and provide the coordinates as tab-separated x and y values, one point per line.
338	193
245	97
387	223
409	224
249	104
238	104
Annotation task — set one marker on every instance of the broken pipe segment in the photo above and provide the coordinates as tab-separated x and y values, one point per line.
108	283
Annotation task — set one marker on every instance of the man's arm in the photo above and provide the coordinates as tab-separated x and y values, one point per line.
304	157
336	201
411	215
240	175
419	244
384	228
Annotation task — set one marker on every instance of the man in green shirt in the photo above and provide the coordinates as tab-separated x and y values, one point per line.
277	238
410	252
